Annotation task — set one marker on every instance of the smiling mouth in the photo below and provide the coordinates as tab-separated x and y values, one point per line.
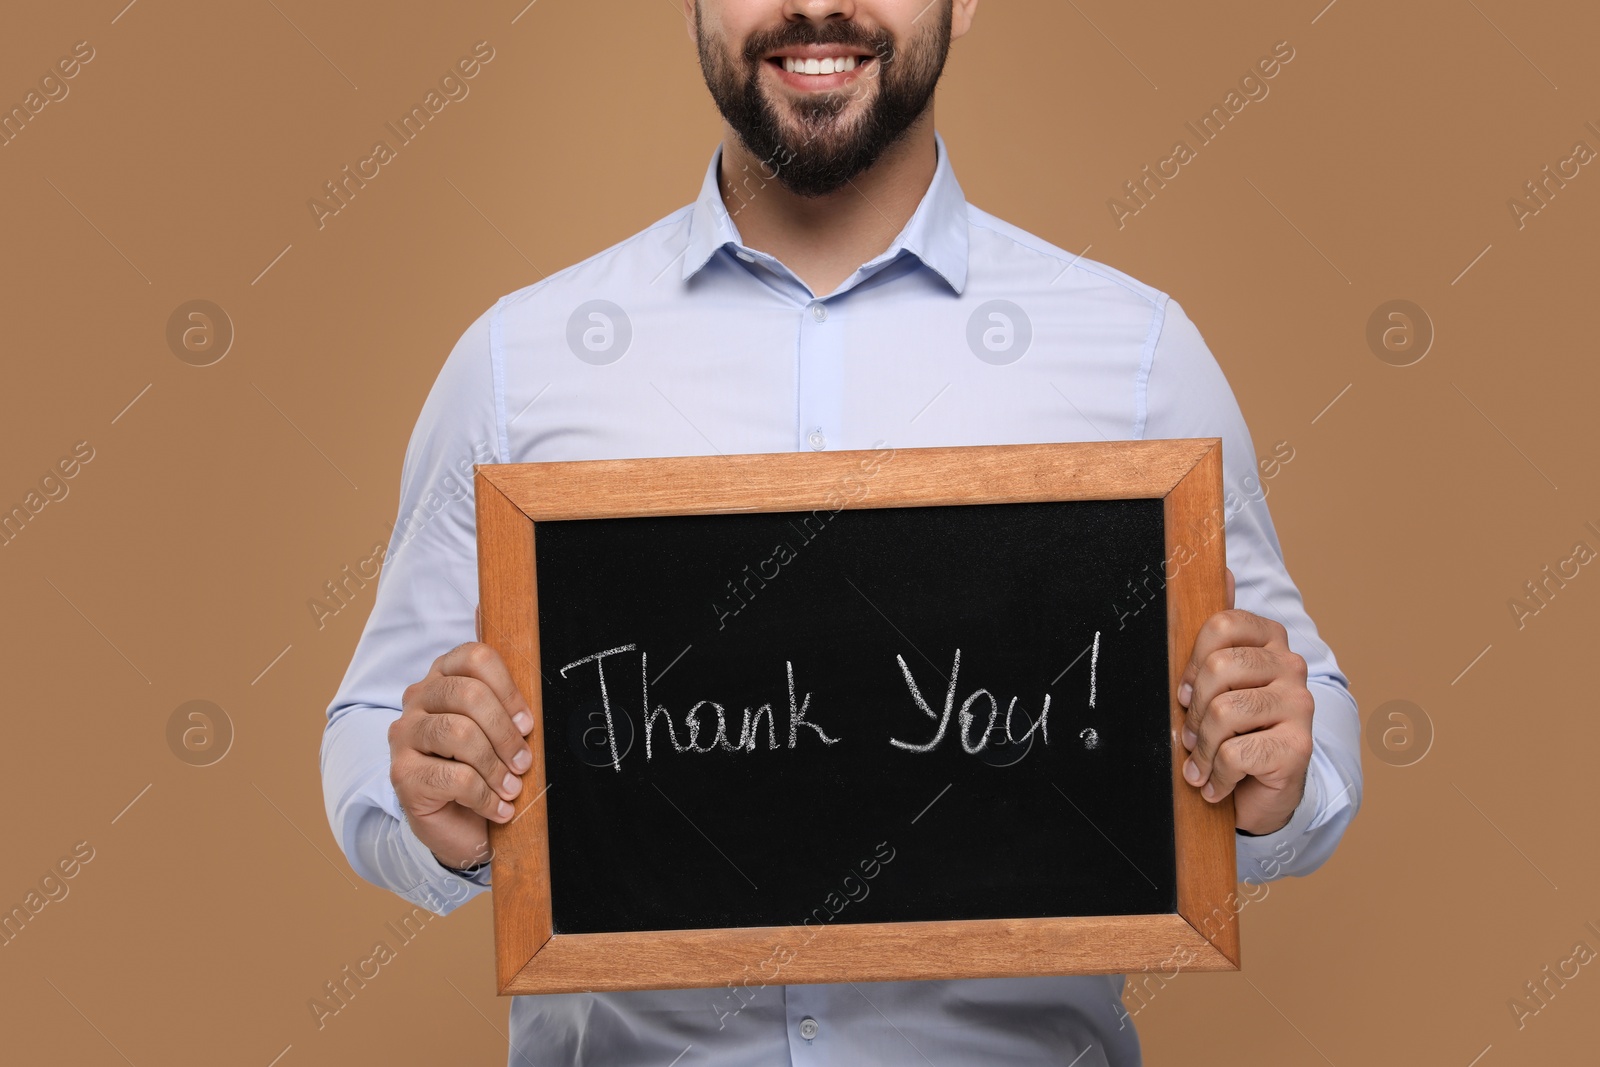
820	66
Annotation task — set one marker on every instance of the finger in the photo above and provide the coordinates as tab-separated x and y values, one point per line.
1241	712
1228	571
1267	755
459	738
1224	629
1235	667
461	689
427	784
1238	711
474	659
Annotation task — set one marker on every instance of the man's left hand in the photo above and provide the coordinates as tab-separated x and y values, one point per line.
1248	730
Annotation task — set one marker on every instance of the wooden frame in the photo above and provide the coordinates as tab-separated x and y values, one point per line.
513	498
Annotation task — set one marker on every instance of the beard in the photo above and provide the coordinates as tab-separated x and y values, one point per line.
811	144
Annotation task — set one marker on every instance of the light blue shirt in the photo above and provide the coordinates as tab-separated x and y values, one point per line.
682	341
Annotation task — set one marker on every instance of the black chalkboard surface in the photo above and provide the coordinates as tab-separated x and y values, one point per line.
1073	817
855	716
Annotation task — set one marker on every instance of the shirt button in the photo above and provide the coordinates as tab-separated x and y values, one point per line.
808	1028
819	312
818	442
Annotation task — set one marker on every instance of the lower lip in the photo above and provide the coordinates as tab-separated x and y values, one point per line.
820	82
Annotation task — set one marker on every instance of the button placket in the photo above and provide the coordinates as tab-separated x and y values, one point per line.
821	377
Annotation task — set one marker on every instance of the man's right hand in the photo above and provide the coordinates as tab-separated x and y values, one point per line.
457	750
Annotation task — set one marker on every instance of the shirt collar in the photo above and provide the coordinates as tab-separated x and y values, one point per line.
936	233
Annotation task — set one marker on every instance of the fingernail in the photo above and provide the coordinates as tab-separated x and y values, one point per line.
1188	737
524	721
1209	792
511	786
1191	772
504	810
522	761
1185	691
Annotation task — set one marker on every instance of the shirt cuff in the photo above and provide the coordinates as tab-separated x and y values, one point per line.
1262	857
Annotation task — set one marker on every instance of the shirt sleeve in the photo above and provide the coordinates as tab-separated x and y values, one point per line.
425	605
1187	395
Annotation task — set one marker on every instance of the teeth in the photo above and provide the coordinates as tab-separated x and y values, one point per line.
831	65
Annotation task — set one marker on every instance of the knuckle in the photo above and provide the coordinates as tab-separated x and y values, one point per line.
441	776
1242	704
399	775
449	686
441	731
1225	706
1225	763
413	777
1247	750
466	691
428	732
479	656
476	794
1297	665
1300	745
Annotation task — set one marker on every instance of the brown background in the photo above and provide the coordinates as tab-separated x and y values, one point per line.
217	505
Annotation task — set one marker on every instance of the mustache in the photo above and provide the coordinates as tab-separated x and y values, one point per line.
794	34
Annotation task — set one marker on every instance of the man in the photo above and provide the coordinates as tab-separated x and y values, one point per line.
830	289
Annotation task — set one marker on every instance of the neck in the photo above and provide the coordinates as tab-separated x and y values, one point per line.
823	240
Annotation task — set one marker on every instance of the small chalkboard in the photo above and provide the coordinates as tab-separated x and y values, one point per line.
864	715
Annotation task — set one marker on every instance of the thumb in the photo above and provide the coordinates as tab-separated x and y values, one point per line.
1228	571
